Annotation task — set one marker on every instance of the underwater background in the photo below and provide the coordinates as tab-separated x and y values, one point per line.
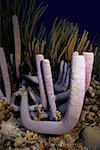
85	13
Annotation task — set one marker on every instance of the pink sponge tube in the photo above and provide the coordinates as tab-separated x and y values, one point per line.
17	41
49	86
89	58
39	58
5	74
73	110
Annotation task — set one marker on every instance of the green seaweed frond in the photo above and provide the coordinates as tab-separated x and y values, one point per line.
65	39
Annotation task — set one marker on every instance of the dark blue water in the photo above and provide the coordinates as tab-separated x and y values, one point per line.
85	13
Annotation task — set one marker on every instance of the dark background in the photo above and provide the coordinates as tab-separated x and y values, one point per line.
85	13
